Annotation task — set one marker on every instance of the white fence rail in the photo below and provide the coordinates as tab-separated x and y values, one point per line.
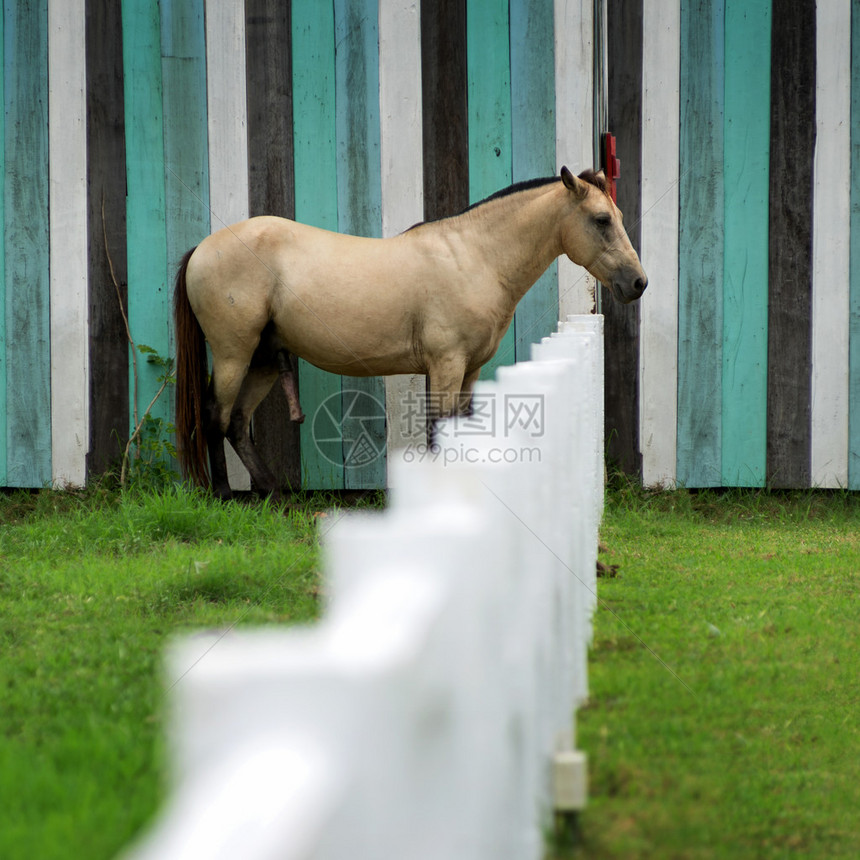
430	714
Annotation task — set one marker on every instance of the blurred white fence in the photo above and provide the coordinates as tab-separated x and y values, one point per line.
430	713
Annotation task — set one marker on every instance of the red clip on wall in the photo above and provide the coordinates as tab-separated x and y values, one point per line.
611	164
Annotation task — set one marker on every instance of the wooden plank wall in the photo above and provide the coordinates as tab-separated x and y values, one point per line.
740	366
763	360
162	122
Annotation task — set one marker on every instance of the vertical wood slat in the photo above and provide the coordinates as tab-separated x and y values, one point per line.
624	120
445	114
792	149
186	157
574	101
359	213
315	156
108	346
148	299
854	274
186	178
830	248
402	181
745	263
658	314
28	396
4	415
68	242
268	40
700	305
533	147
489	112
226	108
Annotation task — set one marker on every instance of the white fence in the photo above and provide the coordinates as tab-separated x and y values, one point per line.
430	713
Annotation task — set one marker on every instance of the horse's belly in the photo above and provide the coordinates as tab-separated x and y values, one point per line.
373	351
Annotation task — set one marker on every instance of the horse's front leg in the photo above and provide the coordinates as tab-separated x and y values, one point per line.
465	404
445	384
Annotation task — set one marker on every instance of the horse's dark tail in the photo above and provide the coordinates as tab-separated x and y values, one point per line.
192	371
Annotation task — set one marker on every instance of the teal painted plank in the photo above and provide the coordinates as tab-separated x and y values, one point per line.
488	64
27	294
315	160
186	149
854	323
359	183
700	239
148	290
745	271
533	146
3	411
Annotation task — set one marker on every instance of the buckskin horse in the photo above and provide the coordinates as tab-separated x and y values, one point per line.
433	300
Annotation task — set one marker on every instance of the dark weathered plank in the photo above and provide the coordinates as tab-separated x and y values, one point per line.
109	395
268	39
621	345
792	151
445	138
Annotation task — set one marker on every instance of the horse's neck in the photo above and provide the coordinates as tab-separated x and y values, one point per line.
518	236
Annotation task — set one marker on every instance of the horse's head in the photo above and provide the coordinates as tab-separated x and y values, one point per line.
594	237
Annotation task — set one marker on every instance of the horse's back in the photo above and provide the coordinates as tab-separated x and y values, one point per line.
345	303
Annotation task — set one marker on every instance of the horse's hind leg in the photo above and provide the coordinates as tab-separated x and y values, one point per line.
215	445
234	393
255	387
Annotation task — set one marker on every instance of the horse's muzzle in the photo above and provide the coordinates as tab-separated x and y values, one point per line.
627	291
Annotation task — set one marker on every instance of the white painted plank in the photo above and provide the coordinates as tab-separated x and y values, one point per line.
574	95
830	247
402	175
228	138
68	242
658	357
227	109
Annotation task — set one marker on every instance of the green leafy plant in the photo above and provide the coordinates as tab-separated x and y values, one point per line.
149	451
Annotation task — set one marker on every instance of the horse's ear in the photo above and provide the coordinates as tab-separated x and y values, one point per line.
574	183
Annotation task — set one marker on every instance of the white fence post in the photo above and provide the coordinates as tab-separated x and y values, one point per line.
430	712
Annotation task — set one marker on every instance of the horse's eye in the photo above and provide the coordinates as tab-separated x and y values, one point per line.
602	221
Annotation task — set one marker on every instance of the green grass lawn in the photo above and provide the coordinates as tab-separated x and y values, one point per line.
724	717
91	588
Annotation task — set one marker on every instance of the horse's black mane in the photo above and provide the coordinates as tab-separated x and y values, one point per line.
514	189
589	176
